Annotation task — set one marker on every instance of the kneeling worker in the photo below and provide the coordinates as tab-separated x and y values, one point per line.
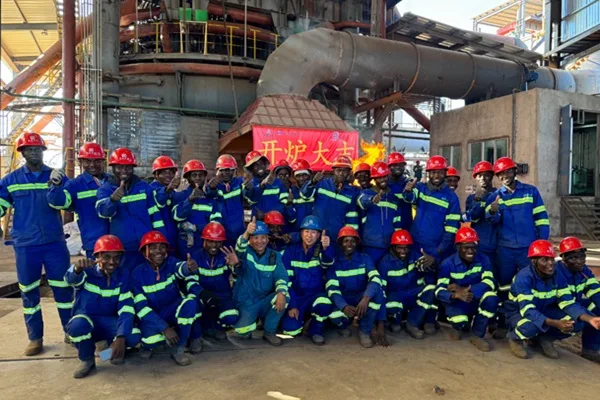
466	287
540	305
261	289
354	287
103	308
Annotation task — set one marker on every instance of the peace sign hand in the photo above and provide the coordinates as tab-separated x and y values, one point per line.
231	257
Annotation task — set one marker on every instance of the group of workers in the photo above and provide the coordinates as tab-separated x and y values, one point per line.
167	266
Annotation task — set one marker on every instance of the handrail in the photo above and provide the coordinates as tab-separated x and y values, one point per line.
569	207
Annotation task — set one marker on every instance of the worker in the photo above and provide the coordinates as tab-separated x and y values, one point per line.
404	285
398	181
261	289
585	289
166	181
38	236
466	287
354	286
129	203
103	308
540	308
283	172
278	240
195	210
303	206
79	195
227	190
452	178
518	211
165	315
362	173
417	171
382	215
435	225
335	199
211	283
306	263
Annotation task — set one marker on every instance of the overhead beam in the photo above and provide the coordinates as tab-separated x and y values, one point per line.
24	59
45	26
6	57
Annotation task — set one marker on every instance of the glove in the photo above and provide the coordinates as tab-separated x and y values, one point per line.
57	176
209	299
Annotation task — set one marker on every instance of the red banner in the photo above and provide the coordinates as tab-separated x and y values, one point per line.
318	147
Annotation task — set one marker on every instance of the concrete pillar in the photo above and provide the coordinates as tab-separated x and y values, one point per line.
111	15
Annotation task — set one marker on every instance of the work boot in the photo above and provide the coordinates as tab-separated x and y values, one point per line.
591	355
548	349
180	357
145	353
499	333
317	339
396	328
273	339
220	335
67	339
429	329
414	332
344	332
34	348
454	334
480	343
517	347
365	339
84	369
196	346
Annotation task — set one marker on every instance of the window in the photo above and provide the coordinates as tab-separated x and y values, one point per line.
488	150
452	155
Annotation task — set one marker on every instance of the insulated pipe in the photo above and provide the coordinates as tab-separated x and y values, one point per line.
238	15
68	87
306	59
189	68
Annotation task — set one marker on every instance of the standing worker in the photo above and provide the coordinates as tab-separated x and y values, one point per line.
303	205
520	216
418	171
452	178
398	181
38	236
130	204
80	195
362	173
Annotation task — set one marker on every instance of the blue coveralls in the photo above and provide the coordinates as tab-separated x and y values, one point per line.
480	277
270	198
199	212
520	220
230	202
334	208
134	215
405	289
303	206
397	189
475	214
379	222
306	272
532	300
348	281
259	280
80	193
103	310
213	275
159	304
585	289
39	240
166	213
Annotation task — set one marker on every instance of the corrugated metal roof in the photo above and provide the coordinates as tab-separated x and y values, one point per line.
506	13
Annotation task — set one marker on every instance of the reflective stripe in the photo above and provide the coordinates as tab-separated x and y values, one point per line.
590	293
489	282
303	201
514	202
337	314
433	200
453	217
154	339
318	317
351	214
332	282
388	205
127	309
305	265
231	194
377	280
102	292
145	311
293	333
212	272
158	224
125	296
290	272
458	318
133	197
397	219
30	287
214	216
62	284
84	317
539	209
77	339
443	281
542	222
202	207
227	313
401	272
424	305
562	292
332	292
68	201
153	210
353	226
352	272
27	186
567	303
64	306
461	275
485	313
335	196
527	307
32	310
504	288
5	203
487	274
246	329
270	192
321	300
450	229
86	194
374	306
138	298
394	304
260	267
159	286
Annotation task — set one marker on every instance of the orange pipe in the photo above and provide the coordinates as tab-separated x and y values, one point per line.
189	68
238	15
39	126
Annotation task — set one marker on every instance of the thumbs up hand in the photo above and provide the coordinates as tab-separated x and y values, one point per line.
425	262
197	193
191	263
118	193
290	199
410	185
174	184
57	176
269	179
495	205
377	198
325	240
251	228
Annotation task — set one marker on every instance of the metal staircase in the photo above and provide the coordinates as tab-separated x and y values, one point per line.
586	215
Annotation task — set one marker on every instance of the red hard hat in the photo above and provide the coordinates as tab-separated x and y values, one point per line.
402	237
91	151
226	161
362	167
153	237
193	165
379	170
30	139
436	163
395	158
503	163
452	172
342	162
466	235
300	165
541	248
348	231
122	156
274	218
214	231
281	164
163	162
253	157
481	167
570	243
108	243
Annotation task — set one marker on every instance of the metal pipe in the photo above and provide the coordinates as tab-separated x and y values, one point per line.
239	15
133	96
351	24
347	60
68	89
245	28
190	68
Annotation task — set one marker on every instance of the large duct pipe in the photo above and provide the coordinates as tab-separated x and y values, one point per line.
306	59
189	68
